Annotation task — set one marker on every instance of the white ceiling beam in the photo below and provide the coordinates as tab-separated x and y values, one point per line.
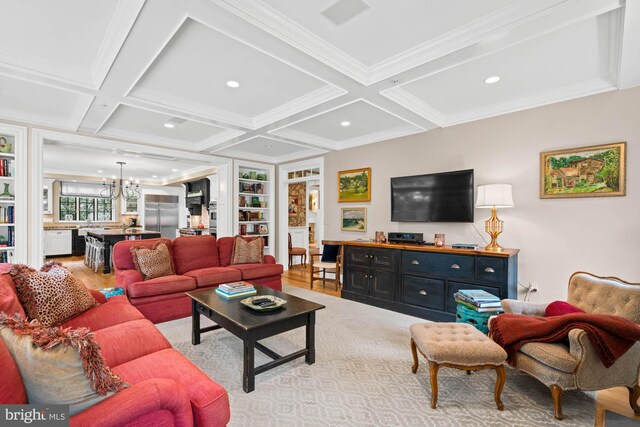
630	55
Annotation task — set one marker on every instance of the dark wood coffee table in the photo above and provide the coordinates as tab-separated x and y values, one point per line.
251	326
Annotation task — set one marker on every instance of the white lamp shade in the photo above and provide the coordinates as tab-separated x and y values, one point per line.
494	196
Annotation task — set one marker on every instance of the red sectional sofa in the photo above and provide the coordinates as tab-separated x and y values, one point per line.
166	388
199	262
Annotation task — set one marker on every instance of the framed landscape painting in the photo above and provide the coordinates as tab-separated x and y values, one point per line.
354	185
353	219
596	171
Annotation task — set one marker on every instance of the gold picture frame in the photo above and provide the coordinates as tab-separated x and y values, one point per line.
593	171
353	219
354	185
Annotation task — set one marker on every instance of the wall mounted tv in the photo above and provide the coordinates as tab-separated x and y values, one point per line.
437	197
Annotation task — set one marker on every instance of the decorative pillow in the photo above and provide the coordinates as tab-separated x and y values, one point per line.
247	251
154	262
59	365
51	295
330	253
558	308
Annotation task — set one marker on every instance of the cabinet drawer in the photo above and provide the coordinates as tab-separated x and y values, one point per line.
447	265
424	292
491	269
454	287
384	259
356	257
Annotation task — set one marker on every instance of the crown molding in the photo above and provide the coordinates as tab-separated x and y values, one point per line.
121	23
567	93
415	104
260	14
273	22
309	100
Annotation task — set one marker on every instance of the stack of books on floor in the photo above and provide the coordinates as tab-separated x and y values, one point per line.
478	300
236	290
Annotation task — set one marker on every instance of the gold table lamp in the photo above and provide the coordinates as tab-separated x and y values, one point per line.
494	196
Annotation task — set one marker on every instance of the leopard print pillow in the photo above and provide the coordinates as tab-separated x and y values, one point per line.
51	295
247	251
154	262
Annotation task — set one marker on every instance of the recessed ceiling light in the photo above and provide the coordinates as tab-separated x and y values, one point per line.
174	170
269	146
345	123
75	180
232	83
99	171
492	79
154	176
169	125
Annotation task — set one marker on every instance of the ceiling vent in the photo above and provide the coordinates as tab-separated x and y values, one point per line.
345	10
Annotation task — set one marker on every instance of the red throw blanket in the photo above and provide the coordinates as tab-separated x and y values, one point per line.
611	335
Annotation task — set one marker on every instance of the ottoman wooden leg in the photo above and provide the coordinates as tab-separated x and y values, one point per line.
500	380
433	374
414	353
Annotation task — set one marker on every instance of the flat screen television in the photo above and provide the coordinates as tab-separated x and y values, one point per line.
436	197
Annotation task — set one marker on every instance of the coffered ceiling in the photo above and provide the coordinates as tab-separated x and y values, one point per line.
279	80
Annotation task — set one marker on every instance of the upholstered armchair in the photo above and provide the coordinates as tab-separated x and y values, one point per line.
575	365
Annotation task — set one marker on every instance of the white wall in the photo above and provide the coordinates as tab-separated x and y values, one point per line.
556	236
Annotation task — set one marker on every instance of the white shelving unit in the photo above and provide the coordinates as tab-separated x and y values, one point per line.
254	209
13	212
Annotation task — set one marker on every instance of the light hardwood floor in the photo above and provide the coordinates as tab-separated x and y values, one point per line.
615	399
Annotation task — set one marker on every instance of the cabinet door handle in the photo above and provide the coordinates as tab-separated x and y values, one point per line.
422	292
415	262
489	270
455	266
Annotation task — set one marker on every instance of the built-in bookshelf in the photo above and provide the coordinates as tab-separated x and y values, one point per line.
13	192
254	201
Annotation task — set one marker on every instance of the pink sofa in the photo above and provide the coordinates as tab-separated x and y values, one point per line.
166	388
199	261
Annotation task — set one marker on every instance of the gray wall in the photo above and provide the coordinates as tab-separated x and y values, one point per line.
556	236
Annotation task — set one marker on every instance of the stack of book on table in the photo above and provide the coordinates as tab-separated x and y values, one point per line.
478	300
236	290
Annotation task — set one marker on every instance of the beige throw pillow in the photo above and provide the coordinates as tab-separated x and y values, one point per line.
59	365
247	251
154	262
51	295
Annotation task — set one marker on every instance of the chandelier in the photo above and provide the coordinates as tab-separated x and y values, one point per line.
125	189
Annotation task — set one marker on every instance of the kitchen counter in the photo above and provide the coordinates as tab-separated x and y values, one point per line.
112	236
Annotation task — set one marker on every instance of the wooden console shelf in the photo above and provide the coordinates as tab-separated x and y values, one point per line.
421	280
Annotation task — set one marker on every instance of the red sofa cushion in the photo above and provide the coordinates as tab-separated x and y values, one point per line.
122	257
161	285
12	390
9	302
115	311
194	253
127	341
257	271
162	308
214	276
225	250
209	401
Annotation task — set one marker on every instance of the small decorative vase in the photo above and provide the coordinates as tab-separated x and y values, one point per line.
5	146
6	194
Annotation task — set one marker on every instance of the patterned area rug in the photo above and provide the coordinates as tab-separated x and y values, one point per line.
362	377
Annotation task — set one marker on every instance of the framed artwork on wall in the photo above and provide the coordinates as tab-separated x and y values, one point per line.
353	219
354	185
297	204
595	171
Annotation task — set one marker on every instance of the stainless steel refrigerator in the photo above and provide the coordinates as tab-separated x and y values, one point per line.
161	214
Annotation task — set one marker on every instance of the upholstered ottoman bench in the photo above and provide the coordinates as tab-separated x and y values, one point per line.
460	346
